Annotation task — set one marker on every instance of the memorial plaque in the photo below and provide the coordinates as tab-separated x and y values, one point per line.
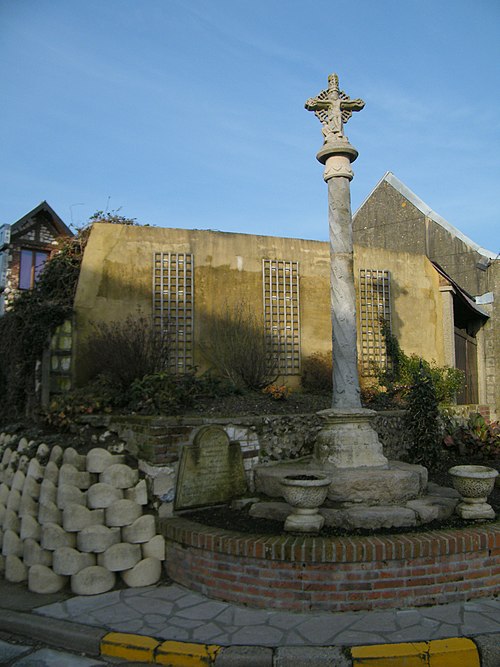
210	470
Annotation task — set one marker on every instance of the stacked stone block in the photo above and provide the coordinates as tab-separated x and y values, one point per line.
72	519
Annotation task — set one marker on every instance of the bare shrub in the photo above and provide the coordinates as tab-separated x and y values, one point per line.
127	350
317	373
238	348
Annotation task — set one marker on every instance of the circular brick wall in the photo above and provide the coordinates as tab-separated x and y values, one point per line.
335	574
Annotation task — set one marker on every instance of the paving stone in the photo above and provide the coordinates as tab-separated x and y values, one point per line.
432	508
146	573
15	570
244	656
69	494
71	456
142	530
92	580
119	557
10	651
69	474
11	521
154	548
100	495
47	657
54	537
138	493
310	656
68	561
122	512
98	459
48	491
33	554
96	539
381	516
14	501
12	544
120	476
266	636
51	472
48	512
43	580
76	517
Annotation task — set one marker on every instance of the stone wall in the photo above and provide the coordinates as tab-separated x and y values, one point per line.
72	519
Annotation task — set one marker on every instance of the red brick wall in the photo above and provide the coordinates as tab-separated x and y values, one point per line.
335	574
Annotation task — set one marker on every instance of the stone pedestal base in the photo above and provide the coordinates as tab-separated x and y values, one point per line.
477	510
347	440
304	521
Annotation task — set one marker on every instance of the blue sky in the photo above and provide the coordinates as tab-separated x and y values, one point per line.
190	113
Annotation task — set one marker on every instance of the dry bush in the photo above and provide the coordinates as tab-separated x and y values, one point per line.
236	345
317	373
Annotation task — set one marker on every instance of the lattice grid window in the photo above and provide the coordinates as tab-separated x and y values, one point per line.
173	276
281	312
374	309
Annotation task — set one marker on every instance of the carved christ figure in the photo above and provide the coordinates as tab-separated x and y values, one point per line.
333	108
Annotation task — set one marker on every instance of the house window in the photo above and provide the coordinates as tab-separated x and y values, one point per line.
30	267
173	274
374	310
281	312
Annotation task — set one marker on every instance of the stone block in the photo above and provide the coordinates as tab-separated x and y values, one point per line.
76	518
120	476
119	557
334	518
43	580
92	580
42	452
28	506
68	561
122	513
22	445
442	491
244	656
14	501
51	472
381	516
98	459
35	470
31	488
56	454
12	544
375	486
155	548
68	494
30	528
146	573
48	492
33	554
142	530
71	456
11	521
3	509
15	570
96	539
311	656
4	493
138	493
48	512
54	537
68	474
6	457
8	474
431	508
100	495
278	511
18	481
2	563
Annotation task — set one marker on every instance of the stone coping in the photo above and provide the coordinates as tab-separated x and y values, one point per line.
317	550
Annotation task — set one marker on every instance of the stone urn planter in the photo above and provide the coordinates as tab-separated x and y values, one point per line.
474	484
305	493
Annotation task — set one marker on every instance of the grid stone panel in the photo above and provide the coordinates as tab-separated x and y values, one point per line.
374	308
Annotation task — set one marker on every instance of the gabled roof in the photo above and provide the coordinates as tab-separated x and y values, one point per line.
464	297
400	187
43	207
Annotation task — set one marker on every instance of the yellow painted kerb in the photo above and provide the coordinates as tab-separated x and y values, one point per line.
131	647
184	654
436	653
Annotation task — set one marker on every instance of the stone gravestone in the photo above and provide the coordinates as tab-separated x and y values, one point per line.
210	471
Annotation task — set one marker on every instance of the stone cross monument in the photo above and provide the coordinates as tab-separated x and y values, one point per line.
347	439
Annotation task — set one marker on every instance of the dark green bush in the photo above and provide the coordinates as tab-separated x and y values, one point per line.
317	373
422	420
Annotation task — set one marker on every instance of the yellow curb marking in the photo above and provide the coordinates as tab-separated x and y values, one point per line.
436	653
184	654
131	647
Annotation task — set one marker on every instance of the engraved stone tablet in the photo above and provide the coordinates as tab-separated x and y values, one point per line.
210	471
